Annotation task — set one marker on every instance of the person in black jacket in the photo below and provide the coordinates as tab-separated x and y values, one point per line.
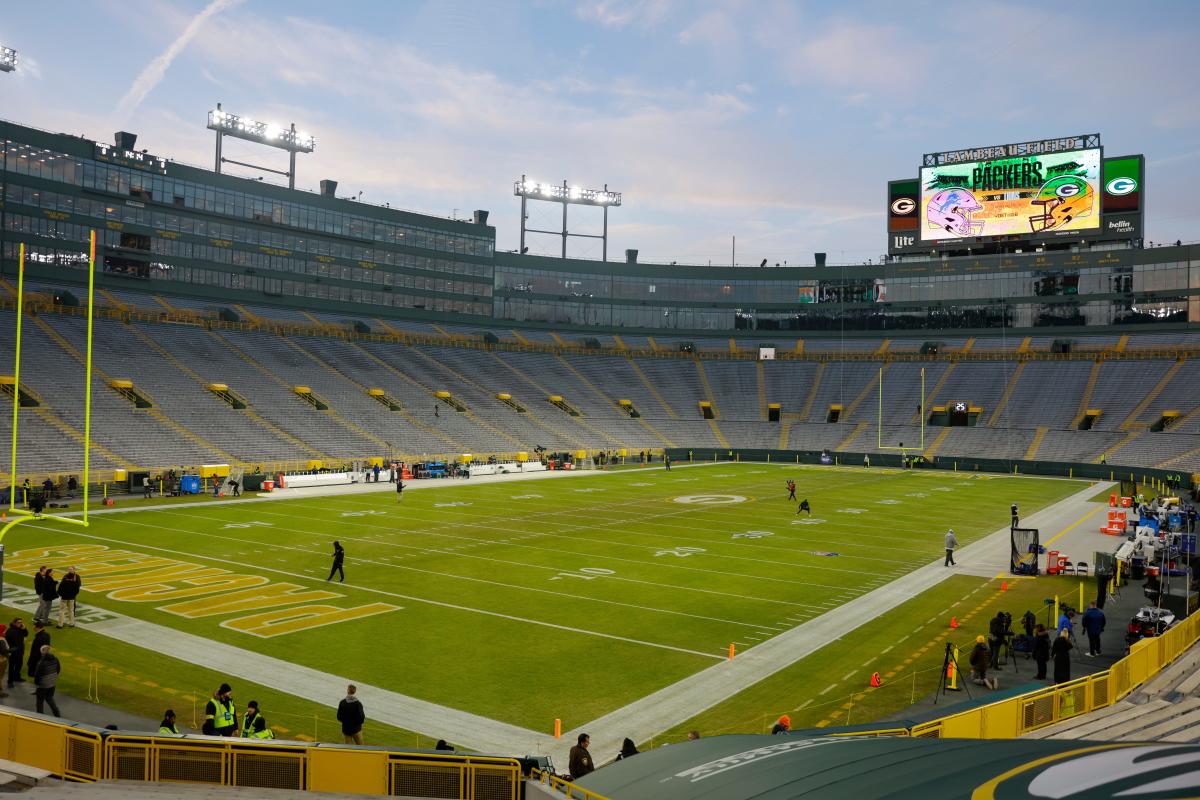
15	637
40	638
628	749
37	590
46	678
351	714
339	556
1061	652
68	590
1041	650
47	593
579	761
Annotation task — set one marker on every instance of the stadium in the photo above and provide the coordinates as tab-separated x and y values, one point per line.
561	498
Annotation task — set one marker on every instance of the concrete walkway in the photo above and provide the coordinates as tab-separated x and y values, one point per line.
640	720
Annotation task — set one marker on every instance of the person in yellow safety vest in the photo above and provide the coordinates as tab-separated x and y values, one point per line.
254	724
168	724
220	717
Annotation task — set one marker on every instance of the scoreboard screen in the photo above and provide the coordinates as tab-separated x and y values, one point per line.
1040	195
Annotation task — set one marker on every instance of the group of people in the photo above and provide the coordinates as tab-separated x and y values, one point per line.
221	718
1043	645
804	507
579	760
43	666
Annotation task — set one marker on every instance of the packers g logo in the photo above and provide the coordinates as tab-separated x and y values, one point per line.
1120	186
903	205
1067	190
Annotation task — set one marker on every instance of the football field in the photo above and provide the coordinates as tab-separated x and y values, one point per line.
526	600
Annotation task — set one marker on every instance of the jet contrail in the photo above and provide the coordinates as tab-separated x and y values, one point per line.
154	72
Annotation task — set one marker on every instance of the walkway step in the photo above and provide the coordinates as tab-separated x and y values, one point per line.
1187	716
23	773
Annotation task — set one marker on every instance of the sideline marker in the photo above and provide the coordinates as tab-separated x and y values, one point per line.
875	680
558	729
731	651
954	622
1004	586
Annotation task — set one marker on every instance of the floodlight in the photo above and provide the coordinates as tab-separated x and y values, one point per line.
566	194
262	132
8	59
270	134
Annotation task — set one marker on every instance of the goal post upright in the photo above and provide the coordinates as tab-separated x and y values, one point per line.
20	515
879	422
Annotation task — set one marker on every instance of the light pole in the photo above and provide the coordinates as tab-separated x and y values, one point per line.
8	59
226	124
567	195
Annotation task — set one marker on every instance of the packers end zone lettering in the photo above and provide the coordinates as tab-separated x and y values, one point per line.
195	591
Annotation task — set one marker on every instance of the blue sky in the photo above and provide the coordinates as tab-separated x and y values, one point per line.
775	122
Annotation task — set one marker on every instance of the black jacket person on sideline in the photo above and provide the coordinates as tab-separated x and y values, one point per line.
339	556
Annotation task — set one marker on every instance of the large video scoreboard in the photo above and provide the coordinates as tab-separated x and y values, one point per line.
1016	195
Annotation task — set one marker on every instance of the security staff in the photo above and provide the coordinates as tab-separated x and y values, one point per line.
220	718
168	723
254	724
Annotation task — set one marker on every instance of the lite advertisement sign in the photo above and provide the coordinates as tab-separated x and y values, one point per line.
1042	195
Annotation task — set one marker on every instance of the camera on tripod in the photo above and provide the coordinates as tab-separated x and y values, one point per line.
1001	627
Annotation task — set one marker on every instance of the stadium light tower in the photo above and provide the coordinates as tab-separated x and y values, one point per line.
8	59
226	124
567	195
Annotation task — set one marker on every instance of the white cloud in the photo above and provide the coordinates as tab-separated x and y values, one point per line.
621	13
156	70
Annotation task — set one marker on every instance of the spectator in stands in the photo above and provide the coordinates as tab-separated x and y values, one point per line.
1041	650
47	593
1093	624
68	590
351	714
1060	651
980	660
628	749
46	679
168	723
951	543
783	725
220	716
254	724
579	761
339	557
41	638
15	638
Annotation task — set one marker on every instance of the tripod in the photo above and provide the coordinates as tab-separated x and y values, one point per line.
947	660
1004	653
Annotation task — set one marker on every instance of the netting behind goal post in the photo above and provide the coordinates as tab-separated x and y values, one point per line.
1025	546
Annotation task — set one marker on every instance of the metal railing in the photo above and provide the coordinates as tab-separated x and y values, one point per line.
81	753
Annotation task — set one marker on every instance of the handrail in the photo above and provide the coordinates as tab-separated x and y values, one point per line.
564	786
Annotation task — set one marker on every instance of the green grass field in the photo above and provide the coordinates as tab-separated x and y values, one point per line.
576	595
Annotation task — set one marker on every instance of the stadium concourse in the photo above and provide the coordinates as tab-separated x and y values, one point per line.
641	720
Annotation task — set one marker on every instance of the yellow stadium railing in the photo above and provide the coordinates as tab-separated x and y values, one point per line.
564	787
80	753
1015	716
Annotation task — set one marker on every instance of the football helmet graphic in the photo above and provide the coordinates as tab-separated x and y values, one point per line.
1061	200
951	209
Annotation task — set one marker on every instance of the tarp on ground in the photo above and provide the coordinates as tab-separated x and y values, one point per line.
740	767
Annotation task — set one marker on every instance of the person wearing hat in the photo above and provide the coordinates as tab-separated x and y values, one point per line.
15	637
168	723
68	590
254	724
951	543
981	659
782	726
220	717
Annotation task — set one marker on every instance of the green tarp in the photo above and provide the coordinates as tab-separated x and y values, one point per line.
740	767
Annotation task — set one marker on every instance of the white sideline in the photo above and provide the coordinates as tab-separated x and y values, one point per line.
640	720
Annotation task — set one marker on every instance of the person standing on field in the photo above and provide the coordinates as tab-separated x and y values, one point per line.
951	543
46	679
339	557
400	489
220	716
804	507
15	637
47	596
68	590
40	639
791	487
254	724
351	714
